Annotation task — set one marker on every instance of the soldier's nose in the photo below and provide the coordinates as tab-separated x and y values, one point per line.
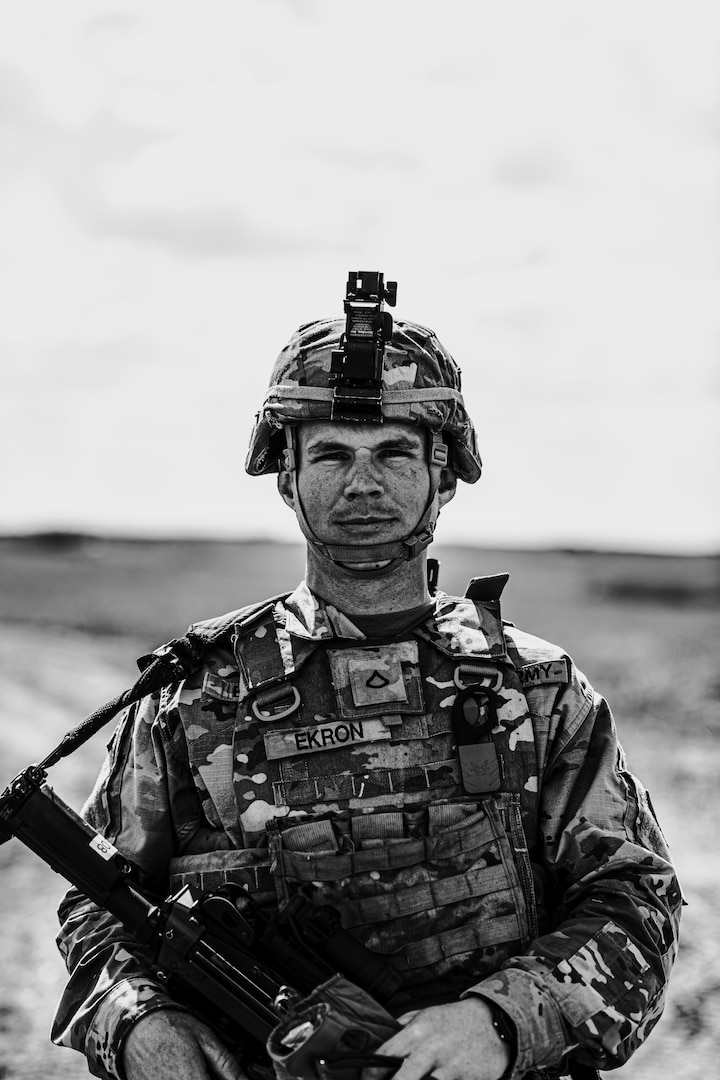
362	480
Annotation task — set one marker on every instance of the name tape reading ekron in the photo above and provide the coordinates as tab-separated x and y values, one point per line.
311	740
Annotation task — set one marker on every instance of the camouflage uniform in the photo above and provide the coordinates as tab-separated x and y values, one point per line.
527	867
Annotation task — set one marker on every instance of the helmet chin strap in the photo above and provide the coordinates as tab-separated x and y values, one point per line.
396	551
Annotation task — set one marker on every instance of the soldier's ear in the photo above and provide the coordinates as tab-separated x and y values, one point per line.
285	487
447	486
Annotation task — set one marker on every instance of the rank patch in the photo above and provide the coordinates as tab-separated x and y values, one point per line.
375	681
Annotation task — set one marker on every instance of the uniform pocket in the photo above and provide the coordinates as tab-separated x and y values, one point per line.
641	823
451	902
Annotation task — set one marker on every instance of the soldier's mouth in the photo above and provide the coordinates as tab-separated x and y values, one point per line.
365	520
361	524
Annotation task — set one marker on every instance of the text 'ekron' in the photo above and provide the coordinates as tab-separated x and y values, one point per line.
310	740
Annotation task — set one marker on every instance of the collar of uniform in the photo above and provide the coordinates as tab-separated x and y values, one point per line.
308	616
461	627
458	626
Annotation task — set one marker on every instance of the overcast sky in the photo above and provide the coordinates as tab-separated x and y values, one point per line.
183	183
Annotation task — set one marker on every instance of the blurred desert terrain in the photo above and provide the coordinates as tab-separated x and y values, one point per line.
75	612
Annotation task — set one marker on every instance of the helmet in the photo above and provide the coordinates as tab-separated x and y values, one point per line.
420	385
415	380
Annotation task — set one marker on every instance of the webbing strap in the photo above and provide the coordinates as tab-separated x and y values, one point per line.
268	658
292	392
388	826
445	815
425	896
500	930
315	836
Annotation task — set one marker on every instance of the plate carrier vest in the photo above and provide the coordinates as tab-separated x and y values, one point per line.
397	782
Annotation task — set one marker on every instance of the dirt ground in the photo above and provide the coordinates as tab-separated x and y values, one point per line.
646	631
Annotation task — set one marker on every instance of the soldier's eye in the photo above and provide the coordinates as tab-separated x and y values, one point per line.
398	452
331	455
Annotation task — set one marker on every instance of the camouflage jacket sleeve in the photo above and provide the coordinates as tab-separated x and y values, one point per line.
594	985
144	800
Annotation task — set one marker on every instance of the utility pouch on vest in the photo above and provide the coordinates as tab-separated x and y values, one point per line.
474	716
331	1035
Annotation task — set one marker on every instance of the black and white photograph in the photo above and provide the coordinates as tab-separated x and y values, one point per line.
359	539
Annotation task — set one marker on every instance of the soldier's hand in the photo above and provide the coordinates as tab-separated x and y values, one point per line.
172	1045
451	1042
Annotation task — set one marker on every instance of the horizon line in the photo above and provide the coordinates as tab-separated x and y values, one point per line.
68	538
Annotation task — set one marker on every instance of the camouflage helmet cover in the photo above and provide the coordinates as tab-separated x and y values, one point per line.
420	385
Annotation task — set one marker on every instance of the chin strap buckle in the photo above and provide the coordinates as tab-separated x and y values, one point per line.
438	451
417	543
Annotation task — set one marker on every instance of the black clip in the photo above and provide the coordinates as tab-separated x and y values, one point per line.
417	543
433	575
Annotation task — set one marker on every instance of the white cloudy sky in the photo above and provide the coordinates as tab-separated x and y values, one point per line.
182	183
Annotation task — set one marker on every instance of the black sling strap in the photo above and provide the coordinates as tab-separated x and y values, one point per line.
179	658
170	663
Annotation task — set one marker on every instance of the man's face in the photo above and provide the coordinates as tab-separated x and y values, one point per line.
362	482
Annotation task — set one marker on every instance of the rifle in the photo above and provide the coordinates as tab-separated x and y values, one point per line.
245	972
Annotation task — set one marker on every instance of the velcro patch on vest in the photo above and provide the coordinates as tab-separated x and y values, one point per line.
377	680
221	689
331	736
553	671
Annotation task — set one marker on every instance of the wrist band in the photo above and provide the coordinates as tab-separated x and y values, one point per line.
505	1029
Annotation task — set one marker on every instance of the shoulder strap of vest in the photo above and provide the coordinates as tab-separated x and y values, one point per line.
211	631
270	658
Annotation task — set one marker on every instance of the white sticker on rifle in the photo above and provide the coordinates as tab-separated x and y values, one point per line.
103	847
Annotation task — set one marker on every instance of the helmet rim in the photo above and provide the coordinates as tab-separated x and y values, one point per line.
421	385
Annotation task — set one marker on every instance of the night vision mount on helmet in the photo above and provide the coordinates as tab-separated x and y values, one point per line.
356	369
367	368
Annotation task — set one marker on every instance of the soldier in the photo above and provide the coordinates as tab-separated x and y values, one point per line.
453	785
